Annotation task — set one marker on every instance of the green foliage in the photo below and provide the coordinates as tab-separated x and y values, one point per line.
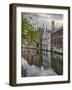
29	34
26	27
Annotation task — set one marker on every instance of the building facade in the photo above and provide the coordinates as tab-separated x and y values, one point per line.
57	46
46	46
57	40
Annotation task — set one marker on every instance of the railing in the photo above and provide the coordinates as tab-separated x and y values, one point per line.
45	58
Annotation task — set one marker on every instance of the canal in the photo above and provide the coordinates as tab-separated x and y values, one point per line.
39	62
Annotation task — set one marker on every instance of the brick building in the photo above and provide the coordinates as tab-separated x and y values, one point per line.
57	40
57	46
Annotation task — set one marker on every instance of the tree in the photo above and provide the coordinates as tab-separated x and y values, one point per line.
29	34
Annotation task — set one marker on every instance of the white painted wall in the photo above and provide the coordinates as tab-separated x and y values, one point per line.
46	44
4	45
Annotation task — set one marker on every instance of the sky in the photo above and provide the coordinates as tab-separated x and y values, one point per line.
38	19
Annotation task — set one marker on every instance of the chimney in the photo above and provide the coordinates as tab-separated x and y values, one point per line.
53	25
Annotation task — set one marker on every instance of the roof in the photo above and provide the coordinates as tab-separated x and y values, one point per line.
56	30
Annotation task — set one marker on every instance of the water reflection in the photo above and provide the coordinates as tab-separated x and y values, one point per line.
41	63
33	70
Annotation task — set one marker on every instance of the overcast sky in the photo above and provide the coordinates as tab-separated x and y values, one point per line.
40	19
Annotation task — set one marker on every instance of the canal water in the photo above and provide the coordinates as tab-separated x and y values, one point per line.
41	63
33	70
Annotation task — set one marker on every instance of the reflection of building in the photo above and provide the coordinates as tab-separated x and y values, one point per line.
32	56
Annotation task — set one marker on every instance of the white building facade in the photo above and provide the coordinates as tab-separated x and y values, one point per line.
46	46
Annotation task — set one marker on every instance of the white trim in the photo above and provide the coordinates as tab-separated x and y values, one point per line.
63	77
